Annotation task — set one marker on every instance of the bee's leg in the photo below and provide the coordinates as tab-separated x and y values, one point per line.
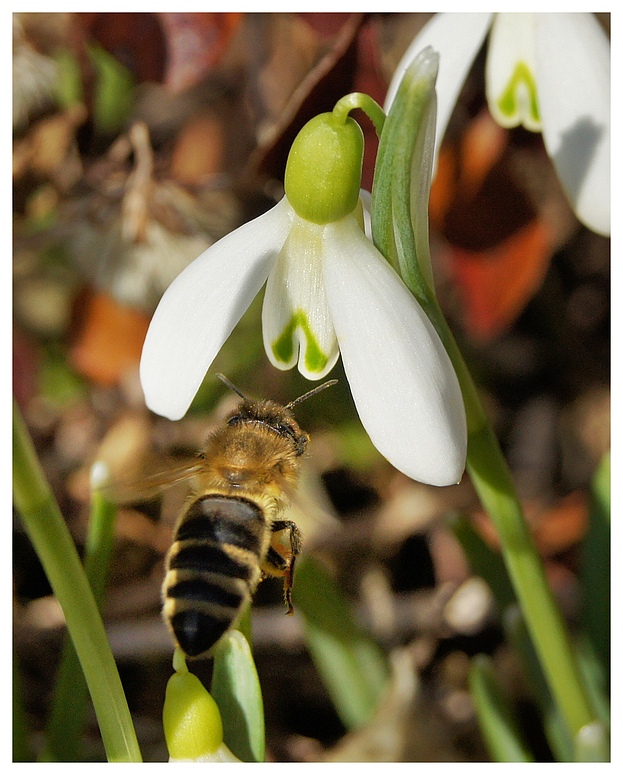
295	534
284	566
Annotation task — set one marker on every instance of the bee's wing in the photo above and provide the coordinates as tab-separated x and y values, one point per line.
150	486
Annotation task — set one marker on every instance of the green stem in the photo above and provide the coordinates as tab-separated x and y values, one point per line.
66	722
400	231
595	570
554	726
51	539
496	717
493	482
364	102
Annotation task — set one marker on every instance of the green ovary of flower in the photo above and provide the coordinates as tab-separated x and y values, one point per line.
323	173
508	101
283	346
191	718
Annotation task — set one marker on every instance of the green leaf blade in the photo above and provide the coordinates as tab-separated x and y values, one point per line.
497	722
237	691
351	664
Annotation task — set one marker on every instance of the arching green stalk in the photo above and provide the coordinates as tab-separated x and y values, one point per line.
50	537
400	241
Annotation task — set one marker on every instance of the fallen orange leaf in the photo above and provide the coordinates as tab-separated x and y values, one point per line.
556	527
563	524
110	339
199	150
498	246
495	284
196	42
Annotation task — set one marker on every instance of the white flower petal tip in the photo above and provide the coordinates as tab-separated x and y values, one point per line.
201	307
511	71
403	383
296	323
298	344
457	38
573	78
549	72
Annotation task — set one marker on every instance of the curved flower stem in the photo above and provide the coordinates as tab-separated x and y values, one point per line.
364	102
56	550
493	482
67	713
400	231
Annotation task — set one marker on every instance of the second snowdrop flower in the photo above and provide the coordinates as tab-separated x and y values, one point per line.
549	72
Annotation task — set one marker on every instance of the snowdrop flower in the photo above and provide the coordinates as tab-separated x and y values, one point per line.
549	72
328	291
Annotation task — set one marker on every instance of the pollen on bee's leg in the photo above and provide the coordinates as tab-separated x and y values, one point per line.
287	586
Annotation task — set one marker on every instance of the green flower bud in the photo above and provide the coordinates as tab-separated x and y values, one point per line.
191	718
323	173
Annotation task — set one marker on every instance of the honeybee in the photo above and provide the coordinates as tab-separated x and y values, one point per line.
231	533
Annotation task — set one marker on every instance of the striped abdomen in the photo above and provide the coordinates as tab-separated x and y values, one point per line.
212	569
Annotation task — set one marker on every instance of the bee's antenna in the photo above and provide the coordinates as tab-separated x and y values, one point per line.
231	386
311	393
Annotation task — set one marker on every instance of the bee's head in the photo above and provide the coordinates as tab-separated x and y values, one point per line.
273	416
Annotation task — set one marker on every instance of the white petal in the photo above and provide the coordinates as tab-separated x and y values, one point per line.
403	383
201	307
573	72
296	324
511	71
457	38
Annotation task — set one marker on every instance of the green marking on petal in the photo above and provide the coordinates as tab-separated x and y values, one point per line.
517	109
283	347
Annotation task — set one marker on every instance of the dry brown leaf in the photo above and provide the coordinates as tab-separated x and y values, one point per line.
199	150
287	55
132	232
195	44
329	80
48	150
